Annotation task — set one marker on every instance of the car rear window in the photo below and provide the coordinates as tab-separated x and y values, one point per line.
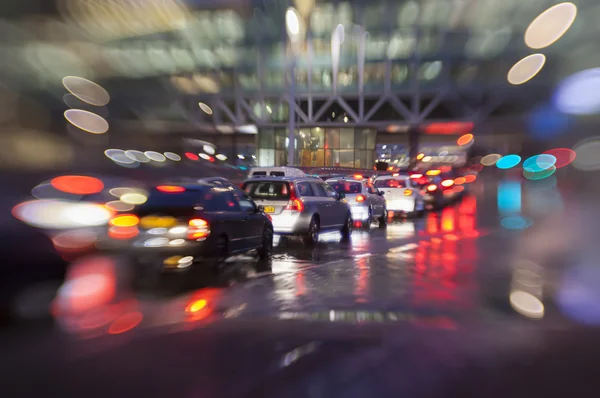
348	187
259	173
390	183
277	174
268	189
174	203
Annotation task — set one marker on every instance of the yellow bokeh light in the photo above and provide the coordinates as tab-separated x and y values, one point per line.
550	25
526	69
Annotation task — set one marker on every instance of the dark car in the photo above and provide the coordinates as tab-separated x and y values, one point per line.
184	225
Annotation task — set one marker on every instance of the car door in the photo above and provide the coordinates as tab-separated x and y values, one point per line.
375	199
229	219
322	203
253	221
339	209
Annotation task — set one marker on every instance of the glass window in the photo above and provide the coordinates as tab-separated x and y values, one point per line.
349	187
390	183
266	157
220	201
173	203
346	157
304	189
266	138
318	189
329	191
277	190
245	203
347	139
332	138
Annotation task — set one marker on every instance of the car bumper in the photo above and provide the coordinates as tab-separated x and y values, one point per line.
359	212
290	223
401	205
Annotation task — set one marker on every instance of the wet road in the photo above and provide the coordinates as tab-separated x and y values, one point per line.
462	263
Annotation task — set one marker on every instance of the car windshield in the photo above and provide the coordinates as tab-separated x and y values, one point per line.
347	187
278	190
390	183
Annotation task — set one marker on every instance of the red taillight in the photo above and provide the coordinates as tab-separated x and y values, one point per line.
447	183
408	192
358	177
198	229
431	188
360	198
170	188
295	205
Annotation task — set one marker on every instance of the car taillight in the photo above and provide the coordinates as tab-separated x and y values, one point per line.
431	188
295	205
197	229
447	183
407	192
360	198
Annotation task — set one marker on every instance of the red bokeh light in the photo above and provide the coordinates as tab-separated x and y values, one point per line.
191	156
564	156
78	185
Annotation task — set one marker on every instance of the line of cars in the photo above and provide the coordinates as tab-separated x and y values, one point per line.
181	224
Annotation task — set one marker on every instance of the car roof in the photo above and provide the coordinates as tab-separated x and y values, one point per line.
283	178
392	177
348	179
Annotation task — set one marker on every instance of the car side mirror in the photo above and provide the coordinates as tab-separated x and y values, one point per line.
341	195
260	209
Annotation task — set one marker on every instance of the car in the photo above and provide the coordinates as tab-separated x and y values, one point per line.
303	206
186	225
402	194
282	171
366	201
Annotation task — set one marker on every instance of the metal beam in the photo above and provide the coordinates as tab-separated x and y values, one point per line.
432	105
347	108
375	108
323	108
227	111
401	108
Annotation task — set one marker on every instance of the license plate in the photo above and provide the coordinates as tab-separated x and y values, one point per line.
269	209
157	222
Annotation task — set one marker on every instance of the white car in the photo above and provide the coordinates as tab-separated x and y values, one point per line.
402	195
276	171
366	201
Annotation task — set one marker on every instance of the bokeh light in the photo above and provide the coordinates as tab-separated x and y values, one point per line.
550	25
540	174
563	156
465	139
579	94
86	90
491	159
508	161
526	69
516	222
588	154
191	156
87	121
125	323
79	185
134	198
539	163
138	156
155	156
527	304
172	156
60	214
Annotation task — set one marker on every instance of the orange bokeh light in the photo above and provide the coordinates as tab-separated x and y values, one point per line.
465	139
460	180
78	185
470	178
125	220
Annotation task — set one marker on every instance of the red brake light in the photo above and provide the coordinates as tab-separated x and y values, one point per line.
360	198
447	183
198	229
408	192
170	188
295	204
431	188
358	177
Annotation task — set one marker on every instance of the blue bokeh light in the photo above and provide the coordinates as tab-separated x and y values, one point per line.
546	122
579	94
538	163
516	222
508	161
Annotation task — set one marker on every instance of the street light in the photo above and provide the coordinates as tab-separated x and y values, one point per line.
292	25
